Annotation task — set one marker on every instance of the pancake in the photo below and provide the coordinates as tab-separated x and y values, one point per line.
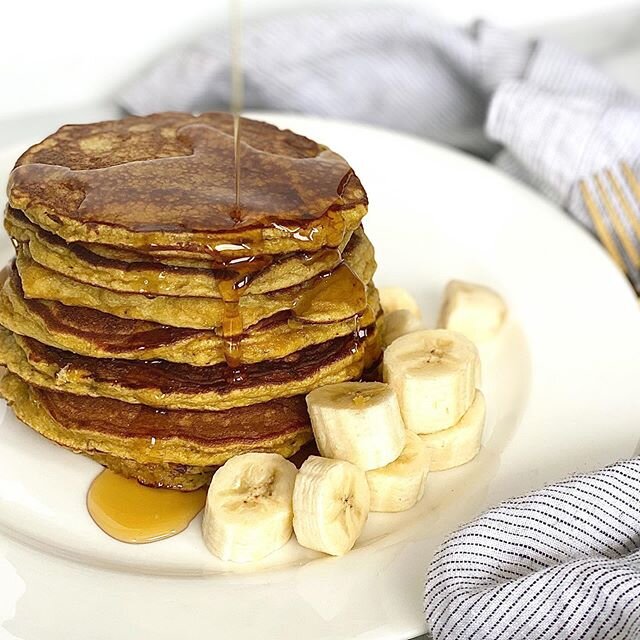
169	385
203	313
182	477
92	333
165	184
175	295
134	273
176	449
179	476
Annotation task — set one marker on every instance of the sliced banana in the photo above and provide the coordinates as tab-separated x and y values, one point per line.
249	511
330	505
399	485
396	298
474	310
359	422
434	373
458	444
399	323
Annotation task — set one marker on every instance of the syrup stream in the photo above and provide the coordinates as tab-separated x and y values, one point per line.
231	289
237	89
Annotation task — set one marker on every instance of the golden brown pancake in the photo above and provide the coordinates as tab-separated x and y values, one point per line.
165	183
92	333
120	270
204	313
170	385
171	448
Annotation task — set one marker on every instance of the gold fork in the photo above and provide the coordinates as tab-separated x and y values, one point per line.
624	237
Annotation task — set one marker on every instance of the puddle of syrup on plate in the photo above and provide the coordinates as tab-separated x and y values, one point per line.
131	512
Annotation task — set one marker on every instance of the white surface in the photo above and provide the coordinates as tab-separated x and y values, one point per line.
562	397
70	52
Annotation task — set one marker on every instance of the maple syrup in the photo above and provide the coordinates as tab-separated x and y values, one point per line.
232	325
231	288
189	199
131	512
237	94
338	288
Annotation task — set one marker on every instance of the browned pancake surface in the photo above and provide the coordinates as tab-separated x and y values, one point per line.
241	425
174	172
170	377
110	333
171	448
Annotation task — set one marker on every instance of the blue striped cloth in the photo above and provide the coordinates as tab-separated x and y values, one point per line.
563	562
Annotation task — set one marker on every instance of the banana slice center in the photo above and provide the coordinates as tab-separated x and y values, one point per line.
351	512
435	355
440	352
362	398
257	490
250	493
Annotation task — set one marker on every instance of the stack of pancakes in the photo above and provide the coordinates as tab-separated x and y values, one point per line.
158	318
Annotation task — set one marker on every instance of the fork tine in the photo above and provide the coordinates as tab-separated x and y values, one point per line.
623	235
633	219
599	225
631	179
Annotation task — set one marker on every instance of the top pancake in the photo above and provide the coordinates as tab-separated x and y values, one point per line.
165	184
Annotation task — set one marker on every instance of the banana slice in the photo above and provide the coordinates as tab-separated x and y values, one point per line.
249	510
399	485
473	310
359	422
434	373
399	323
458	444
396	298
330	505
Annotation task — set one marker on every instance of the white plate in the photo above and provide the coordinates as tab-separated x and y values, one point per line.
561	387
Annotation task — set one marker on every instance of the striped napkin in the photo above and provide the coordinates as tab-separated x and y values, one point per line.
563	562
560	563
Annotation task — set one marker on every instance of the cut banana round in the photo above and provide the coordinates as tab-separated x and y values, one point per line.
458	444
474	310
249	511
330	505
434	374
396	298
399	323
399	485
359	422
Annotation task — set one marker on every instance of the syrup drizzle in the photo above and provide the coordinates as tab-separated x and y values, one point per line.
338	289
237	92
237	210
232	288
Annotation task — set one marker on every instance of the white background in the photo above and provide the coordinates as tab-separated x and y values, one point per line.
57	54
